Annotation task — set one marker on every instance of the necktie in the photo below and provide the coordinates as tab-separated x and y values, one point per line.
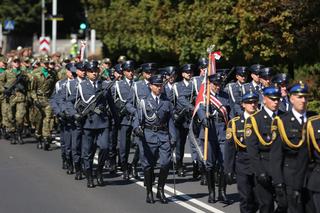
257	88
302	119
130	83
95	86
157	100
274	115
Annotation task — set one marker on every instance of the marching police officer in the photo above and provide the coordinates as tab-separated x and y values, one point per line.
216	122
95	122
184	93
169	73
236	90
122	92
265	75
154	125
72	101
281	80
255	84
197	80
237	161
141	90
259	139
290	150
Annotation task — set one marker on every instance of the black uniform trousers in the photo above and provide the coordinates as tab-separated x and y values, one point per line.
77	133
124	141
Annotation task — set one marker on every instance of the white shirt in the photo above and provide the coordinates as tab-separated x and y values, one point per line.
270	112
255	84
128	81
155	97
147	82
186	82
246	115
298	115
79	80
170	86
94	83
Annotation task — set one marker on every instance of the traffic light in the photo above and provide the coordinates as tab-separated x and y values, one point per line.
83	26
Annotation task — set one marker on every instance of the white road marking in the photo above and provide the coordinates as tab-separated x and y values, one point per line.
173	198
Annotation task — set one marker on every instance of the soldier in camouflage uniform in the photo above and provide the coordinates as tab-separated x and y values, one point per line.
42	86
14	88
105	69
3	66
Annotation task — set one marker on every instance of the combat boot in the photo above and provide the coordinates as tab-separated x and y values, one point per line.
13	138
211	186
78	175
222	196
99	176
19	136
161	182
90	183
46	146
125	174
39	144
69	167
64	162
203	180
148	183
195	170
180	170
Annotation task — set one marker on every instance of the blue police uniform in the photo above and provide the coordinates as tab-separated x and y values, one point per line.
282	80
184	93
154	125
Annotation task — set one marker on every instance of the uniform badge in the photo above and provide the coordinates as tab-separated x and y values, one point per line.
265	117
248	132
274	135
228	133
292	119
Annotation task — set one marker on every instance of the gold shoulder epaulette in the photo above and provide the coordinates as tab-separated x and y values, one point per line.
310	134
257	132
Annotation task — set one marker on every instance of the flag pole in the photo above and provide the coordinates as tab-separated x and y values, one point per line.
206	130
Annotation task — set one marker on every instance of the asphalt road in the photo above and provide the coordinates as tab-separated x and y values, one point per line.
32	181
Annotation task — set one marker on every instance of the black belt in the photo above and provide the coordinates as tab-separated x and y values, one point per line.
156	128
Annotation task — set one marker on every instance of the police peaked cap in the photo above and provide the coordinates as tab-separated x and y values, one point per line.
250	96
266	72
216	78
128	65
255	68
169	70
81	65
71	67
148	67
156	79
280	78
241	70
272	92
203	63
92	66
118	68
299	89
187	68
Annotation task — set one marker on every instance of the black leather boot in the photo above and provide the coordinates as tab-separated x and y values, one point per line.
13	138
195	170
46	146
148	183
222	196
180	170
64	162
90	183
70	167
211	186
78	169
161	182
203	180
125	174
99	176
19	136
135	160
39	144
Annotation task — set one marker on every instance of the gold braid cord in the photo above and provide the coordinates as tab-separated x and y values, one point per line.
284	136
256	130
234	134
310	135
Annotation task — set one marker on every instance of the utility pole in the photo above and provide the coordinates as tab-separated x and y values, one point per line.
43	11
54	26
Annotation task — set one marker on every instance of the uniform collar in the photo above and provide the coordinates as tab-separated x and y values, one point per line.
155	96
255	84
270	112
246	115
186	83
298	115
79	80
